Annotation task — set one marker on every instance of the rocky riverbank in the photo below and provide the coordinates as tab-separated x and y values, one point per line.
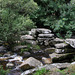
39	49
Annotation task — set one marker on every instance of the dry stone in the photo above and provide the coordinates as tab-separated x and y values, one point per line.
30	63
27	37
46	35
47	67
58	40
54	55
71	42
61	45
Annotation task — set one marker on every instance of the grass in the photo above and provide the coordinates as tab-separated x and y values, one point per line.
43	71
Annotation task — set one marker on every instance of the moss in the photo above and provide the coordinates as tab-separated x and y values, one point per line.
69	57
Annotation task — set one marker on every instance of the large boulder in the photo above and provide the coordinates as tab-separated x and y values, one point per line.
17	58
30	63
71	42
61	45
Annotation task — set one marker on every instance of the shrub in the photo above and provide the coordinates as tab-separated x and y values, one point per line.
57	15
3	72
14	18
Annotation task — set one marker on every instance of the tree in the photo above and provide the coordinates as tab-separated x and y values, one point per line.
57	15
14	18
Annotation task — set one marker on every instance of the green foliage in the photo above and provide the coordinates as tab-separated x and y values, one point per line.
43	71
56	14
70	70
62	72
2	71
14	18
30	47
23	50
36	47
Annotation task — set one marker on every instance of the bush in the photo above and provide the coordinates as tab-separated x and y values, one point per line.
57	15
14	18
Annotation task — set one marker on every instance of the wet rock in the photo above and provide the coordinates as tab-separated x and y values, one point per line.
59	51
2	49
73	63
46	60
27	37
30	63
46	35
4	58
71	42
61	45
17	58
18	48
10	65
